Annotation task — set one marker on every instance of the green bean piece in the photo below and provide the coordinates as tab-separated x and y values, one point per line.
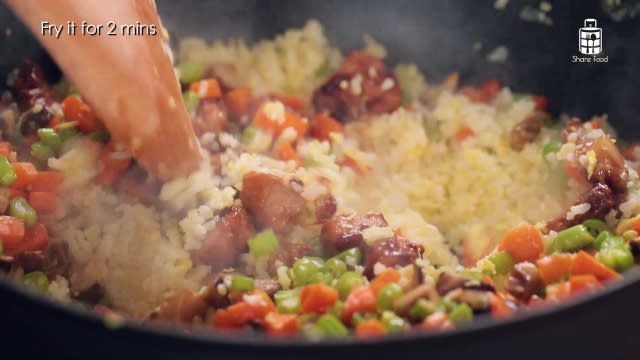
337	308
551	147
321	277
629	235
316	260
612	241
347	282
241	283
191	101
101	136
445	305
249	133
351	257
618	258
289	304
20	208
305	271
325	70
283	294
461	314
190	71
595	226
405	98
329	326
421	309
393	322
50	137
573	238
502	261
516	96
67	130
473	274
7	175
41	151
1	248
335	267
36	279
388	294
432	129
263	243
597	243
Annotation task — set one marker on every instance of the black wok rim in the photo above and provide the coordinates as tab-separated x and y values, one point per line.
213	338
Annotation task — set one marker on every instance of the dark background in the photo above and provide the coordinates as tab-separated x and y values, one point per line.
438	35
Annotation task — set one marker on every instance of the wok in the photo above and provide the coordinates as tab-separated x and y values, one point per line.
439	35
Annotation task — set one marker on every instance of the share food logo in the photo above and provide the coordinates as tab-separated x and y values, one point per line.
590	44
590	37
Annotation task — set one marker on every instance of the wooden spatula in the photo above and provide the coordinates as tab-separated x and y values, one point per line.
127	79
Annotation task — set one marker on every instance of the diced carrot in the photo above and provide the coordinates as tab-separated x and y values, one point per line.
437	321
576	285
464	133
25	173
14	193
635	224
632	152
43	202
300	125
475	247
499	307
360	300
238	102
351	163
323	125
389	275
485	93
523	243
35	238
281	324
370	328
253	307
5	149
264	120
488	280
554	267
491	88
47	181
451	81
55	121
234	316
317	298
582	283
111	164
585	264
206	89
595	124
574	171
295	103
287	152
541	102
79	112
559	292
11	231
475	95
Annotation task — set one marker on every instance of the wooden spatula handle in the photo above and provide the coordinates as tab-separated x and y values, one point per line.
127	79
